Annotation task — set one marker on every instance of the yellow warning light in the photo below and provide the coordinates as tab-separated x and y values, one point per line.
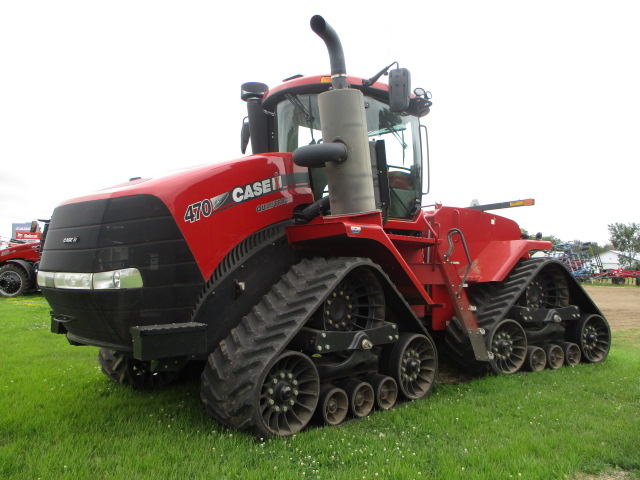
325	79
523	203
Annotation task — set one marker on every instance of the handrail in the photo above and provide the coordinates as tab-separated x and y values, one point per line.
447	255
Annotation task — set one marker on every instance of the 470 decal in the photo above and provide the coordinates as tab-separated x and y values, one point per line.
203	208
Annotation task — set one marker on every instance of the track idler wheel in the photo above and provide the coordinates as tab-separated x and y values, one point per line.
413	364
361	397
593	335
555	355
536	359
572	353
385	389
333	406
289	395
508	343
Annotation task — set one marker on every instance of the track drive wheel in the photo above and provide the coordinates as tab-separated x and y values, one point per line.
356	303
508	343
413	364
593	335
137	374
14	281
288	395
548	289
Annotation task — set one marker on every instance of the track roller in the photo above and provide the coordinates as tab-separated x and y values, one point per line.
572	353
385	389
536	359
361	397
555	355
333	406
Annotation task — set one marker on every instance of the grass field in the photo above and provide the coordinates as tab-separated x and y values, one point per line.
60	417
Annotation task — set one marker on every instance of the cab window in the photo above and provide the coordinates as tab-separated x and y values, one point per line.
298	121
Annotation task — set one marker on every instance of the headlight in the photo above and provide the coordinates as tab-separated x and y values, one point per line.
124	278
79	281
45	279
115	279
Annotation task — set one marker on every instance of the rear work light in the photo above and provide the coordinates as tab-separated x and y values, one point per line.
112	280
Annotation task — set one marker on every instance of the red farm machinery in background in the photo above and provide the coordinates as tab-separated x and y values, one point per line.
19	262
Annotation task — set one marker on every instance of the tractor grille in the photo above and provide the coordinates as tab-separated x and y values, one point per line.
109	234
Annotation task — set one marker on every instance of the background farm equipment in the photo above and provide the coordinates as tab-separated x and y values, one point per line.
586	266
19	265
619	276
579	260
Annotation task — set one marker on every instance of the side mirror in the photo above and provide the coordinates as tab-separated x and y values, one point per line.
399	89
253	90
258	124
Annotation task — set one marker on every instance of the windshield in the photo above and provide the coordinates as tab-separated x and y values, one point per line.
298	121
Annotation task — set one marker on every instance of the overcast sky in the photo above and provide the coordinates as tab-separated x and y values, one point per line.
530	99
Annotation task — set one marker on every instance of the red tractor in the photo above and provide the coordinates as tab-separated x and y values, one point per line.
18	268
306	280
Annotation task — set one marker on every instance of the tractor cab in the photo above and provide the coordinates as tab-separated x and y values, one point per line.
288	117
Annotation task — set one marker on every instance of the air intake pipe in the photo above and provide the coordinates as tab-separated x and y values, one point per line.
344	122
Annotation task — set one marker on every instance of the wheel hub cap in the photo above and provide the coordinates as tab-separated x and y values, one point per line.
502	344
9	282
411	365
338	311
332	406
284	393
590	338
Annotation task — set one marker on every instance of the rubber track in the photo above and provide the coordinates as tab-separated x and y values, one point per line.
493	302
494	308
231	381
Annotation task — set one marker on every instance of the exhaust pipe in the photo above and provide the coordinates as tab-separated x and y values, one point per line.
336	54
344	125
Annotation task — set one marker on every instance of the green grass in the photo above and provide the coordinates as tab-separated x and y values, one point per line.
61	418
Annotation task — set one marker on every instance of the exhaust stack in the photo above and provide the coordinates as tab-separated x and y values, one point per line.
344	123
336	54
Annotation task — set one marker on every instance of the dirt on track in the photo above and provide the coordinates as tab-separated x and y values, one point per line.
620	305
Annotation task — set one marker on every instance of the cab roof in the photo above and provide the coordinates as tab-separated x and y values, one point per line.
299	84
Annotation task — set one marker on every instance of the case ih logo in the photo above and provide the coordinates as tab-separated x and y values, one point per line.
71	240
256	189
202	209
